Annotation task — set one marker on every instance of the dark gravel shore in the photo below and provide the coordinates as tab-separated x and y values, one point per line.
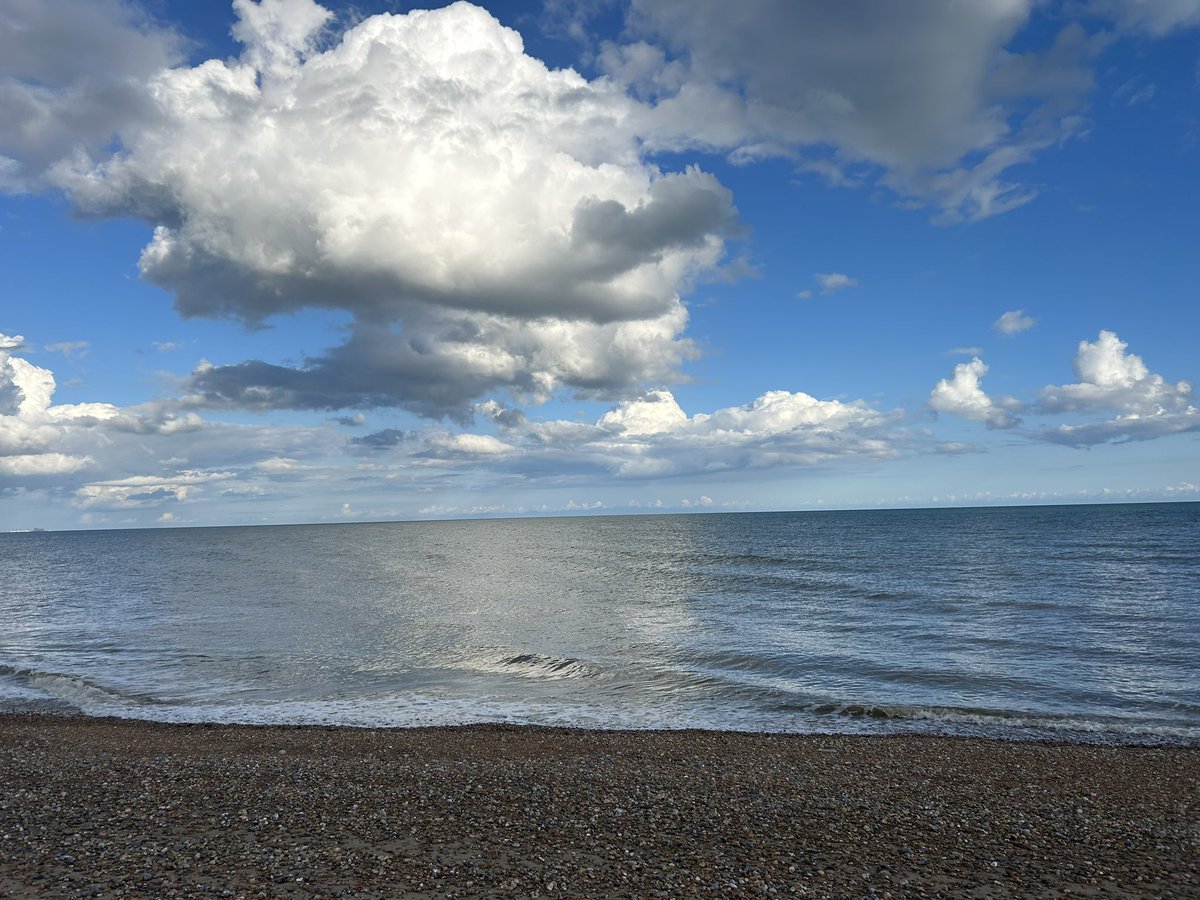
112	808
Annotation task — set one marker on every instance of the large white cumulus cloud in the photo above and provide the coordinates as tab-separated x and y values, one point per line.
34	433
425	157
428	176
1114	381
963	395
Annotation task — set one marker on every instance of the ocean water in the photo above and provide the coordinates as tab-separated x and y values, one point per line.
1074	622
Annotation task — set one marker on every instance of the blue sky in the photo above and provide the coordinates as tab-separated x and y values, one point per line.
282	262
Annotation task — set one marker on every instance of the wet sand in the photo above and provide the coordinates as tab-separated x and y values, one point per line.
112	808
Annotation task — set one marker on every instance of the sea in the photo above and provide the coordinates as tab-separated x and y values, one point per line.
1076	623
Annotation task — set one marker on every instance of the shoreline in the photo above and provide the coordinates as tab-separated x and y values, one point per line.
884	727
112	806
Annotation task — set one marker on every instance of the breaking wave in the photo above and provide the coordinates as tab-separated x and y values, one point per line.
532	665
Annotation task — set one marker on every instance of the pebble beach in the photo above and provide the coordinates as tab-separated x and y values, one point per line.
104	807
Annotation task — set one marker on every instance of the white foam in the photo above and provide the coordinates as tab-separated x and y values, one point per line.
85	696
13	690
410	711
413	709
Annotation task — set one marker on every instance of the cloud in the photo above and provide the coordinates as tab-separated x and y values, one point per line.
277	35
145	491
831	282
133	465
1111	380
494	220
1014	322
924	97
73	73
388	437
1184	487
69	348
652	436
493	226
962	395
278	464
1135	91
438	363
39	437
772	414
1122	429
655	413
122	465
1154	17
504	416
34	432
469	445
48	463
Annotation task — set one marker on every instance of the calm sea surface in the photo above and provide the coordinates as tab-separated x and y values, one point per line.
1078	622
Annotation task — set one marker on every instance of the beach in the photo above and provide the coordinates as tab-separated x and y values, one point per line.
106	807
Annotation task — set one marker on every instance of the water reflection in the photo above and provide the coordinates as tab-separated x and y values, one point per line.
749	619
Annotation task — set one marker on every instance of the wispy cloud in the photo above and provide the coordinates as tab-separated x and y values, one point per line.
70	348
829	283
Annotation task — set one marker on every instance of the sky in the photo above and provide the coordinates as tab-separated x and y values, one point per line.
275	262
